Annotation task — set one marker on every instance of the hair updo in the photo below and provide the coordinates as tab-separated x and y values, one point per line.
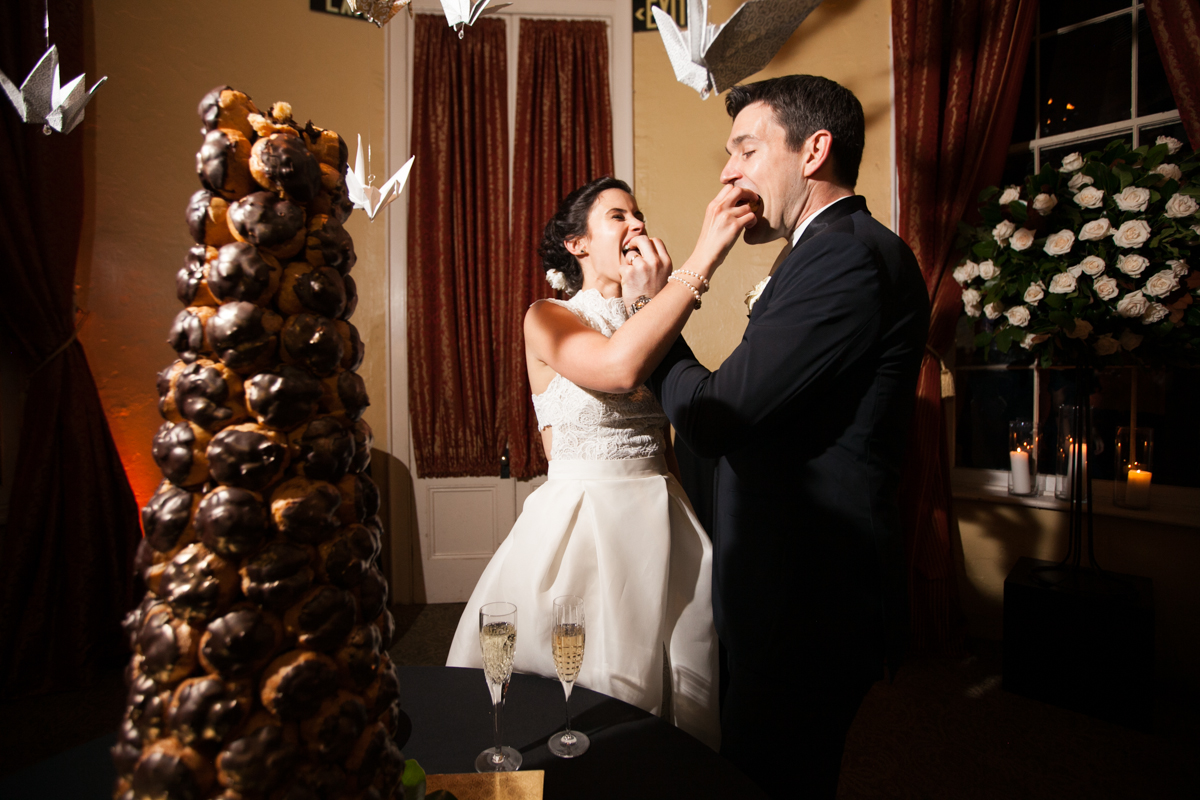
571	221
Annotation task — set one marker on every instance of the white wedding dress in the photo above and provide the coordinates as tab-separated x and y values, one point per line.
613	527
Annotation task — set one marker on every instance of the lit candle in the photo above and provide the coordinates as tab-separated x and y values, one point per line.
1019	463
1137	491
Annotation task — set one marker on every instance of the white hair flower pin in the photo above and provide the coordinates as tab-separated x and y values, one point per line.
556	279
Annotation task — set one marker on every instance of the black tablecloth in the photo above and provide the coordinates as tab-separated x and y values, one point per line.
633	754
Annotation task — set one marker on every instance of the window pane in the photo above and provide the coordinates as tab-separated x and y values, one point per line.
986	400
1025	123
1017	167
1057	14
1154	93
1054	155
1085	77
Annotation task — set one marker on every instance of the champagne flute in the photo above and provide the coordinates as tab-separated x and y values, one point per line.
498	640
566	644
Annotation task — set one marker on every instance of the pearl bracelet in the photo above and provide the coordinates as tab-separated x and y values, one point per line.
703	280
691	288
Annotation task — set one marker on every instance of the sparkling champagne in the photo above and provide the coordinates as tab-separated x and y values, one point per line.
568	641
499	642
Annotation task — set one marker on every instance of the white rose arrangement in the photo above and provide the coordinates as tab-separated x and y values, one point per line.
1095	268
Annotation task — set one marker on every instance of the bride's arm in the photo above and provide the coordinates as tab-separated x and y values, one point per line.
621	363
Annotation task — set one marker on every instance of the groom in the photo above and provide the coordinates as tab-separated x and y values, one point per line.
809	418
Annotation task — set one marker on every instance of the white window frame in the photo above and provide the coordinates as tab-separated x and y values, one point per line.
1174	505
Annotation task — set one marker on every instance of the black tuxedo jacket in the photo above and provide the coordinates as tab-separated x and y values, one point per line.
809	417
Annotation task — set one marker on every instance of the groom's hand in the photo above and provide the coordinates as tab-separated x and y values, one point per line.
644	271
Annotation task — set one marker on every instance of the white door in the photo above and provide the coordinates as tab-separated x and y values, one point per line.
461	521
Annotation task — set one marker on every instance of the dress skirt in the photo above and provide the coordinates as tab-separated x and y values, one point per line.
621	535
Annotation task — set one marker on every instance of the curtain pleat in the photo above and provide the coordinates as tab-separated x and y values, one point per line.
457	247
66	557
563	139
958	67
1175	25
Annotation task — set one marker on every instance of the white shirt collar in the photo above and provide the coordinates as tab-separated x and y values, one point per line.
804	225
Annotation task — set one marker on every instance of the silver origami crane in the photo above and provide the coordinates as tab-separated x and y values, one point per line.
379	11
460	13
714	57
43	100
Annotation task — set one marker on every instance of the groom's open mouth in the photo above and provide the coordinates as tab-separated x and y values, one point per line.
755	203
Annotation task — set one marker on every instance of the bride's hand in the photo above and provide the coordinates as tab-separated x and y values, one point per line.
645	273
729	213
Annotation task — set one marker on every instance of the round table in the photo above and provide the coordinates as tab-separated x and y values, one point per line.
449	721
633	754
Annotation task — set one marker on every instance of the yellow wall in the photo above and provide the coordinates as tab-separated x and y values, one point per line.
679	146
142	135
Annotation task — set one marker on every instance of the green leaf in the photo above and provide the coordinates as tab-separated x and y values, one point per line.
413	780
1155	156
1125	175
982	338
988	193
1019	212
1053	300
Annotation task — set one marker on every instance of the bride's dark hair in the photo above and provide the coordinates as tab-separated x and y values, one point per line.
569	222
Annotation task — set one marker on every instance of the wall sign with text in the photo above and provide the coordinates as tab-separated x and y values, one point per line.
339	7
643	19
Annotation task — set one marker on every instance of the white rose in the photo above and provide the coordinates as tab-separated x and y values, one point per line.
1092	265
1033	338
1034	293
1169	171
1178	266
1129	340
1002	231
1173	144
1180	205
1071	163
1044	203
1161	284
1022	239
1132	305
1132	198
1133	233
1009	195
1106	287
1132	265
1106	345
1090	197
1154	313
1082	330
1018	315
993	310
966	272
1062	283
1095	230
988	270
1059	244
970	298
1075	271
1078	181
1196	229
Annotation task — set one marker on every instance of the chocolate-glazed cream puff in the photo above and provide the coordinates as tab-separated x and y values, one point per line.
241	272
271	223
243	336
282	163
226	107
223	164
283	398
207	219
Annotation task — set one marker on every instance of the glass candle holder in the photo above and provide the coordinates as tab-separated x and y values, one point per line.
1022	447
1072	450
1134	462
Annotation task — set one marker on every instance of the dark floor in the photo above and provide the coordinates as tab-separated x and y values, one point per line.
944	730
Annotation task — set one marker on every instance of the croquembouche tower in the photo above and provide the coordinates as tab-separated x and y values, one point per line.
260	666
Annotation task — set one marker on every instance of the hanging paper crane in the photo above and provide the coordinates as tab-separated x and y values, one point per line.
43	100
460	13
366	196
714	57
379	11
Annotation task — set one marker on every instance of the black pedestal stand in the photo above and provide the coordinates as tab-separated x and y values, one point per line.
1075	635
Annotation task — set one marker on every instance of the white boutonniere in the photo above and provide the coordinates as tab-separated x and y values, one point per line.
753	295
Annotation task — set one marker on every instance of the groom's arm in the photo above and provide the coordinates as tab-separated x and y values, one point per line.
818	315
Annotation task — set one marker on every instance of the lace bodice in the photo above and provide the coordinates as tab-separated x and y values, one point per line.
599	426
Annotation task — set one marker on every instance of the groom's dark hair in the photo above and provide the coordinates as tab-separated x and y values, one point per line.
805	104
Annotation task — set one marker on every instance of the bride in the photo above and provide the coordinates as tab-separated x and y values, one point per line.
611	524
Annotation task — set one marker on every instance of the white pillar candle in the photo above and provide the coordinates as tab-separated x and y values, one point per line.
1019	463
1071	468
1137	491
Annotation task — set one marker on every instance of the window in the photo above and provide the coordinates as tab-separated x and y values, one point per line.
1093	75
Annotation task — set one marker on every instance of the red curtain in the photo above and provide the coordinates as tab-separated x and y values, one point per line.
457	247
66	557
958	66
1176	28
563	140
